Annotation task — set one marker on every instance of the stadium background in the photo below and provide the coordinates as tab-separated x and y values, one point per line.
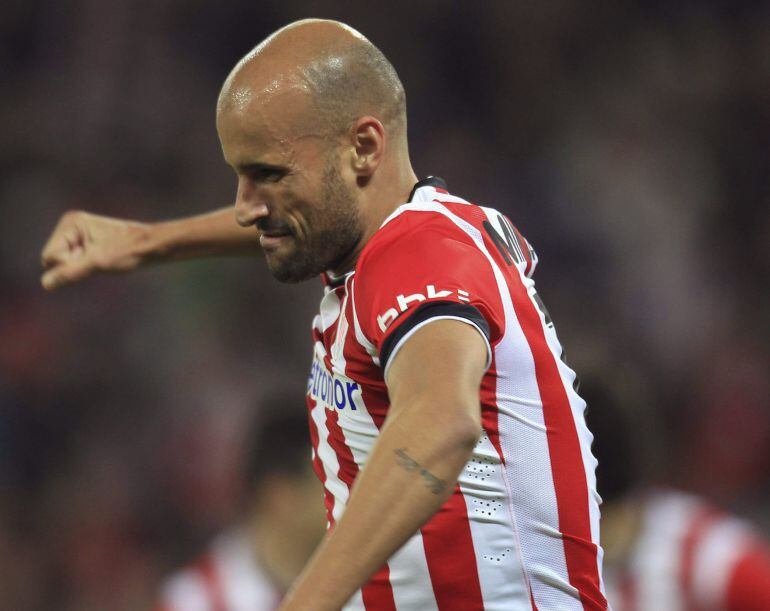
629	142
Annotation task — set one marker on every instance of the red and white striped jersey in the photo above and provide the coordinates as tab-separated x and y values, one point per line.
690	557
226	578
521	530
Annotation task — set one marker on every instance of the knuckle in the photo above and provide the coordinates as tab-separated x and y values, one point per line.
72	216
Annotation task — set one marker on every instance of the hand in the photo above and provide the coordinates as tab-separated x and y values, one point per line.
84	243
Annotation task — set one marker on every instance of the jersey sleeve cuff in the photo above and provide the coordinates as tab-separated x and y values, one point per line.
427	313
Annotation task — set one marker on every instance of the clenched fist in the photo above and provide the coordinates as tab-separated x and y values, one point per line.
84	243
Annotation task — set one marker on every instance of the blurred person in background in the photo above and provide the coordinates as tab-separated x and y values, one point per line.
430	521
665	549
251	566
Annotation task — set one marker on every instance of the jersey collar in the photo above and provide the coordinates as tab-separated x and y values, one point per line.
431	181
424	191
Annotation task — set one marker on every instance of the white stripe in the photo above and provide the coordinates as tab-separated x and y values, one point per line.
368	346
493	530
715	557
337	357
329	311
325	452
657	559
410	579
244	586
423	196
186	591
356	603
358	428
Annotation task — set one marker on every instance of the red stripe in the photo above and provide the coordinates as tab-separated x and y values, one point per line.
348	468
317	464
374	393
451	558
532	600
748	588
568	470
699	525
207	570
489	409
377	593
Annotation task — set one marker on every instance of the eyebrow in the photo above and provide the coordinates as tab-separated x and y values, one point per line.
259	167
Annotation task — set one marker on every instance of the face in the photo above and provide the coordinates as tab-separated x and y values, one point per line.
291	188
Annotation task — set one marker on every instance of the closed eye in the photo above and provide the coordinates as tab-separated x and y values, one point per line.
261	172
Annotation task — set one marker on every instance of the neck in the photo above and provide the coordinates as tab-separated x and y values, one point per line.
281	554
387	190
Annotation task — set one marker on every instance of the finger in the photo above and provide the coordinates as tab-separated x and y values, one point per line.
63	275
61	247
54	243
57	248
53	251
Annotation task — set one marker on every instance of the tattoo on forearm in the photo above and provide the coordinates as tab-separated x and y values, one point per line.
435	484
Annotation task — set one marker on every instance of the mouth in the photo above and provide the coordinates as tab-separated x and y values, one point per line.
272	239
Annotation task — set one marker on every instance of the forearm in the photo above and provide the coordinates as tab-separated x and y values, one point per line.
83	243
211	234
411	472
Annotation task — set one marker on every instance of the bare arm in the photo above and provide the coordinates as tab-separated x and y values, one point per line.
430	431
83	243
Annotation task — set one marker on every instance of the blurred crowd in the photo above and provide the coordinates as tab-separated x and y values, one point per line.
628	141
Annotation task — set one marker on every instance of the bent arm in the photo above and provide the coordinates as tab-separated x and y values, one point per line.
83	243
433	424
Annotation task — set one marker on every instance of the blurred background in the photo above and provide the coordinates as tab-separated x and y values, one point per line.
627	140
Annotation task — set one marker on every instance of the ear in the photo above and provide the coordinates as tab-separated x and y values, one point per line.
368	139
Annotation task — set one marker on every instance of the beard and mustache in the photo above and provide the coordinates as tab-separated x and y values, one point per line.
336	230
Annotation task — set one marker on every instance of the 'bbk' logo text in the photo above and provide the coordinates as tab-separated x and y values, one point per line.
404	301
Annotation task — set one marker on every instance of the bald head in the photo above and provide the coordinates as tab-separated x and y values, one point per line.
324	74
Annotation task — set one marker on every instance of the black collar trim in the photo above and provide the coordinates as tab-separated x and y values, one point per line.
430	181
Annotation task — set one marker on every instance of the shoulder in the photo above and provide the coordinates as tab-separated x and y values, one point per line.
425	229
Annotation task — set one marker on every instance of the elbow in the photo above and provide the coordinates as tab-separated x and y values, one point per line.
463	433
470	433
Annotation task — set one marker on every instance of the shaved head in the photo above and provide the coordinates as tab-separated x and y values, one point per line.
329	72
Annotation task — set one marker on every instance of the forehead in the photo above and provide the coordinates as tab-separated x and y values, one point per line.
272	114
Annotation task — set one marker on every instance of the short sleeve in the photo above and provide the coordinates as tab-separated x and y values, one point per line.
421	276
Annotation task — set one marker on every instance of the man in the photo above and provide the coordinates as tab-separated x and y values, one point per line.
251	566
435	366
666	550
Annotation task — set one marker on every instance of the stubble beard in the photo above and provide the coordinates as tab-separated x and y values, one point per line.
336	229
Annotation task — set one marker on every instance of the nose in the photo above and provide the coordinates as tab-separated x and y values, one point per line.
249	205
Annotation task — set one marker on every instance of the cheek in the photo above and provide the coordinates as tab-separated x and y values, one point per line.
304	219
